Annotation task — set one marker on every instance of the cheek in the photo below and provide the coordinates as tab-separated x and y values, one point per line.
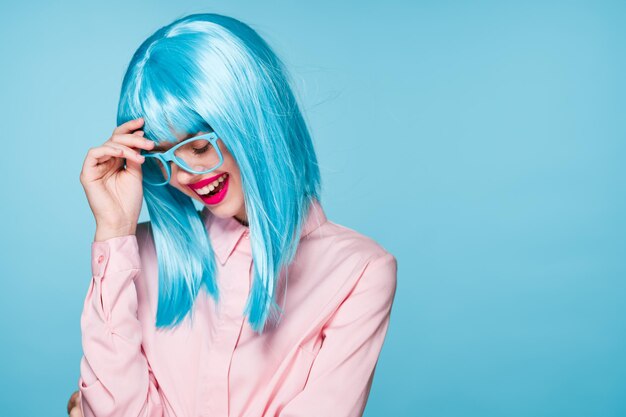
182	189
233	171
235	181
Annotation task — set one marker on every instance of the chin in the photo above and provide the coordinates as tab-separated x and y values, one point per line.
226	209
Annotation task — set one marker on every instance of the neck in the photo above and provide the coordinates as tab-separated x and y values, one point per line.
243	222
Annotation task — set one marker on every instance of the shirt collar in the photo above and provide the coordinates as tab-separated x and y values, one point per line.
226	233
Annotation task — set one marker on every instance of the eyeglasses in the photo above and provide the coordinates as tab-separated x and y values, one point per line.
198	155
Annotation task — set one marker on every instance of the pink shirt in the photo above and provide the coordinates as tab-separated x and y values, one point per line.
319	361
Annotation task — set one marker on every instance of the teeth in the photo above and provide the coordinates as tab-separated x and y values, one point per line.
212	186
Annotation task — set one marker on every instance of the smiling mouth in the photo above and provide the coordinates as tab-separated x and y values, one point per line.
200	184
213	187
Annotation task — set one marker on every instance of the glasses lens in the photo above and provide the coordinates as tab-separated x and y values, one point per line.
154	171
199	155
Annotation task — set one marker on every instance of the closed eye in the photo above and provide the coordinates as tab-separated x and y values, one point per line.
201	150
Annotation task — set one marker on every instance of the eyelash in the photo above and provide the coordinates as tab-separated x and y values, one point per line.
195	151
201	150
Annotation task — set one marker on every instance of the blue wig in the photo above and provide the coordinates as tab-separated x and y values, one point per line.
208	72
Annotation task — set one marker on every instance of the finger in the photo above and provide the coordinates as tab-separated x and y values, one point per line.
138	132
134	154
132	141
133	164
70	404
72	401
102	154
129	126
75	412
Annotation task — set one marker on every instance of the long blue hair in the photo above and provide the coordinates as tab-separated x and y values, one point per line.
209	72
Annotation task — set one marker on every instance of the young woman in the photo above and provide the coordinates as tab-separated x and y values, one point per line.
256	305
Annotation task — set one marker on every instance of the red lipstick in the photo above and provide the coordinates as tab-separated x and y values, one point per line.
202	183
217	195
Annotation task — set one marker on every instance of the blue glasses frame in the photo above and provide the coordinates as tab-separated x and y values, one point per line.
169	156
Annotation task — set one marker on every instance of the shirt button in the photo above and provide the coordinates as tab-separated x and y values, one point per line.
100	259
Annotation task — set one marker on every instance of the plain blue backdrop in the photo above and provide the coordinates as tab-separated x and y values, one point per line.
482	143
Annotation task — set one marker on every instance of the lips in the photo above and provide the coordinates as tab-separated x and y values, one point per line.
219	196
202	183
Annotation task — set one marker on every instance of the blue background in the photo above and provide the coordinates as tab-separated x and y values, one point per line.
482	143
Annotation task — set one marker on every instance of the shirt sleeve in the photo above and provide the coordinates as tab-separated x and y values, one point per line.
115	376
343	370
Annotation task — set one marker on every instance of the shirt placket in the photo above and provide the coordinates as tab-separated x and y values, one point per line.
235	286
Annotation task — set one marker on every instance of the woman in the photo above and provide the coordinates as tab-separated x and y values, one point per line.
256	305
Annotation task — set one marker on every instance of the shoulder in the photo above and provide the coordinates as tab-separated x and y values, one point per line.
343	242
345	256
374	268
335	263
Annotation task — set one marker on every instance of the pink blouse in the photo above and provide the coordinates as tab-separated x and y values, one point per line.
318	362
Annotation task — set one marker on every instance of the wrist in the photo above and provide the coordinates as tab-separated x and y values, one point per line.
107	232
